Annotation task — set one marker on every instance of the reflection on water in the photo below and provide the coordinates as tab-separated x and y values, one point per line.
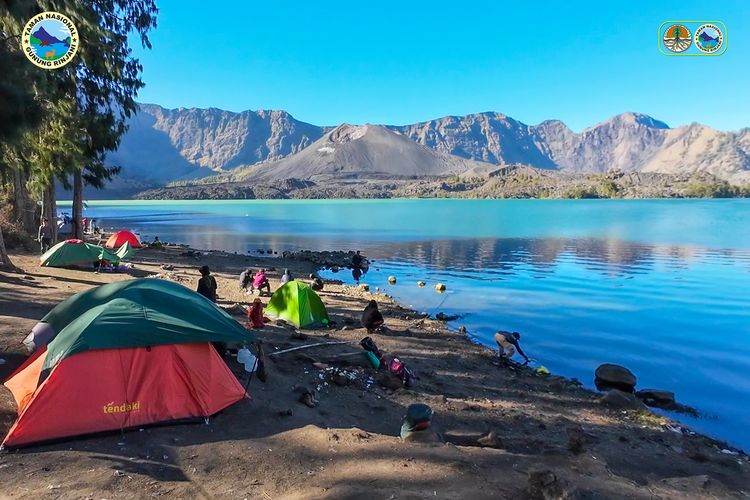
662	288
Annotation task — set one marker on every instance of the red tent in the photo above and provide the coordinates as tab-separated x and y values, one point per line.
120	238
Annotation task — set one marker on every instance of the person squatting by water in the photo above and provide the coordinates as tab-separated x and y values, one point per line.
45	236
507	345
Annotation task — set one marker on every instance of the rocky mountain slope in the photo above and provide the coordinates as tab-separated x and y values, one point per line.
362	152
629	142
164	146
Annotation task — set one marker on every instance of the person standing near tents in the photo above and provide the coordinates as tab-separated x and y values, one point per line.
507	345
286	277
45	236
207	284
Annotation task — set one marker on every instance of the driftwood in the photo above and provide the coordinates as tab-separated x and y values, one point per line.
308	346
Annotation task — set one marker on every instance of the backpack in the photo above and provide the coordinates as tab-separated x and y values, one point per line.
398	368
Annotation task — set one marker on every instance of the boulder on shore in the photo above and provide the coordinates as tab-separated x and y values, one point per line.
611	376
622	401
657	398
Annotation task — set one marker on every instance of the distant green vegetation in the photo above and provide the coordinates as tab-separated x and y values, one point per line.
716	189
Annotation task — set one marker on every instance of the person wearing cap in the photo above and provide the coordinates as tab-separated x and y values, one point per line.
45	236
207	284
507	344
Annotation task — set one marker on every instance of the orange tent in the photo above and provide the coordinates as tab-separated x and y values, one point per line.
134	386
120	238
121	355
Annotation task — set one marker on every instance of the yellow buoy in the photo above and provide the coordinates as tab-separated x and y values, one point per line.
440	287
420	283
392	280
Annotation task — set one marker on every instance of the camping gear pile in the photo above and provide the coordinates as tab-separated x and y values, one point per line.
393	365
122	355
418	418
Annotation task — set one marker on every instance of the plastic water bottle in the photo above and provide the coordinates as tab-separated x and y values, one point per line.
243	354
250	365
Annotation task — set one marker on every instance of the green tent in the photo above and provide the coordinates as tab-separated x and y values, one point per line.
76	253
125	251
132	313
298	304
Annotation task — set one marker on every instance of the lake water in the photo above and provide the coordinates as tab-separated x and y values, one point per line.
60	50
660	286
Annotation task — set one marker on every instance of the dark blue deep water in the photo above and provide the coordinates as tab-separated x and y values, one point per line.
660	286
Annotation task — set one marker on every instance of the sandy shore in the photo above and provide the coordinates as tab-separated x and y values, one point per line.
272	446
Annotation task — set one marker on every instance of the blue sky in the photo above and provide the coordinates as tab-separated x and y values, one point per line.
398	62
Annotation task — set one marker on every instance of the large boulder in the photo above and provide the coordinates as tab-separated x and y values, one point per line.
657	398
619	400
611	376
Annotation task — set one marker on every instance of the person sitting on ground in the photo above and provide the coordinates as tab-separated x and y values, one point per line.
371	317
286	277
45	236
507	344
260	281
255	315
156	243
246	280
207	284
316	284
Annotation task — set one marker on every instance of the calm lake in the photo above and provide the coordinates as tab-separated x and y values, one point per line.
660	286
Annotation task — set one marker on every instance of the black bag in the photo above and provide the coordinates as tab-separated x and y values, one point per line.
369	345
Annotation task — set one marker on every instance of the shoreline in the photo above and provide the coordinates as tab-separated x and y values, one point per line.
537	419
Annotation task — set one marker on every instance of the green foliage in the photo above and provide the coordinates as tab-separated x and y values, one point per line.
579	192
607	188
717	189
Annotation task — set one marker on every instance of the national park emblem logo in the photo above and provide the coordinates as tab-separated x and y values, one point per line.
677	38
49	40
709	38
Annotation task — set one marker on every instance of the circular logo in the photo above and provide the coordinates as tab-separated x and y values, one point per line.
709	38
677	38
49	40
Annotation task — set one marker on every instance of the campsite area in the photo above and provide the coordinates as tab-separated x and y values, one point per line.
506	431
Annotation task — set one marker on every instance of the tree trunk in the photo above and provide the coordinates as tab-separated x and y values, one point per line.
77	205
49	208
23	208
5	262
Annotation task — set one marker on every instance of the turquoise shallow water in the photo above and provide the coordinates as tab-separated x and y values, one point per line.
660	286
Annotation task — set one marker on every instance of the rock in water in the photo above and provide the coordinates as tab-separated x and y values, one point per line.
657	398
610	376
622	401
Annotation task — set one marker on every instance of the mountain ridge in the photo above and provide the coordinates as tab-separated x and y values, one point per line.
165	145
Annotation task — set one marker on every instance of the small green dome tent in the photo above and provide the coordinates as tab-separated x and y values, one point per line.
297	303
76	253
